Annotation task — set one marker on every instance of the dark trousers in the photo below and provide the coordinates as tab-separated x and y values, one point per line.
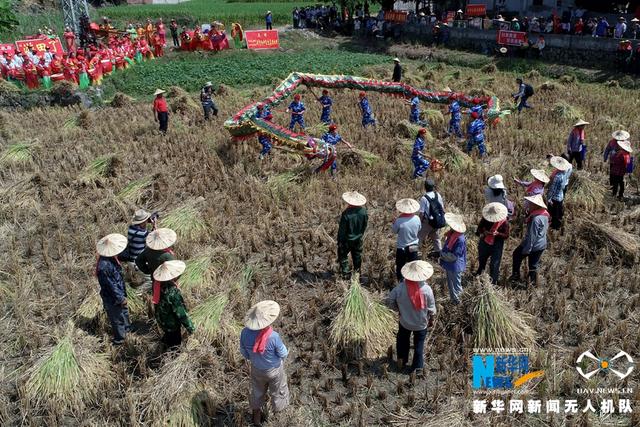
403	256
119	319
172	339
556	210
163	118
577	156
355	249
209	107
486	251
176	41
617	184
523	103
533	259
269	26
403	343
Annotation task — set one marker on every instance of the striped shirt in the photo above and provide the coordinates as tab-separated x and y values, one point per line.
137	237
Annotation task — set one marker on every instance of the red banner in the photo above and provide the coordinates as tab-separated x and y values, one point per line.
7	48
476	10
40	46
451	16
511	38
262	39
399	16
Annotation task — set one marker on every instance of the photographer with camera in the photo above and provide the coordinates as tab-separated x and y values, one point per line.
136	237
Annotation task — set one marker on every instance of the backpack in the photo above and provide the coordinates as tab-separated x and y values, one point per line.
528	90
436	212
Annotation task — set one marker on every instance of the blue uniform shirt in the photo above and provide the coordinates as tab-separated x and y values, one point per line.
459	249
477	109
476	130
332	138
297	107
366	108
275	351
326	103
264	115
454	109
415	104
418	146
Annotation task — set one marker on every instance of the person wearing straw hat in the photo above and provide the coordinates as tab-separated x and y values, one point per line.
493	230
112	288
576	148
453	257
555	194
137	234
535	239
612	146
414	301
496	191
160	110
397	70
432	217
406	227
620	166
420	163
515	24
206	99
268	20
158	251
535	186
265	351
170	311
353	224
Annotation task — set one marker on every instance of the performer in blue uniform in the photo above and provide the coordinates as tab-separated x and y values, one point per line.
326	102
264	140
456	116
367	114
297	112
475	134
414	116
477	108
333	138
420	164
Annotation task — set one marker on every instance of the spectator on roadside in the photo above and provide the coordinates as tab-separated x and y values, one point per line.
295	15
579	27
591	27
525	25
268	19
548	28
515	25
535	25
602	27
635	28
539	45
621	28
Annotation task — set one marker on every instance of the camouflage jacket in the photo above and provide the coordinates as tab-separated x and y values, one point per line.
171	311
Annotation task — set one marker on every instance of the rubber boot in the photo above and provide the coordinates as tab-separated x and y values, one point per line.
533	278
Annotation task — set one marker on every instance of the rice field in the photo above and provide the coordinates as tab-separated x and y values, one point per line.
253	230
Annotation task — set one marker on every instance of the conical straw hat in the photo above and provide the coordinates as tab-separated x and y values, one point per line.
169	270
354	198
158	92
496	182
581	123
111	245
620	135
262	315
536	200
417	271
495	212
540	175
455	221
407	206
162	238
625	145
560	163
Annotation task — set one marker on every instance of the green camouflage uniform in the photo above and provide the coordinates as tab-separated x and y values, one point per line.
353	224
171	312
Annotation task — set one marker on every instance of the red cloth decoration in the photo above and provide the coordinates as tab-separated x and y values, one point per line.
490	238
261	340
416	297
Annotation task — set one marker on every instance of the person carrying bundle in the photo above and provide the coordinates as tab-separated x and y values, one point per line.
333	138
353	224
170	310
493	230
414	301
297	110
576	148
263	138
420	163
525	91
367	113
414	115
535	239
263	348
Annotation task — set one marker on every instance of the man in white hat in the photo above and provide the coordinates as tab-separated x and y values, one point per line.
453	257
112	288
620	166
496	192
432	217
493	230
555	194
576	148
406	227
264	349
161	110
397	70
535	239
206	99
413	299
353	224
158	251
170	311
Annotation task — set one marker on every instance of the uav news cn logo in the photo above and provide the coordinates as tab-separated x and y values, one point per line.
620	365
501	370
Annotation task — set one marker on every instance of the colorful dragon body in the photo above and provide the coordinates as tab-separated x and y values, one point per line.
245	125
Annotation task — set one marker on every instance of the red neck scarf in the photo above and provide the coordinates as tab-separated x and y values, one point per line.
534	187
536	212
452	238
491	238
95	272
416	297
156	285
579	133
406	215
261	340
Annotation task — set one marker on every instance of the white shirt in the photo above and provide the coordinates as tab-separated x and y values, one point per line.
17	62
621	27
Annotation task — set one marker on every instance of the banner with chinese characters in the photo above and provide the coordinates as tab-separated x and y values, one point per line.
262	39
511	38
40	46
399	16
476	10
7	48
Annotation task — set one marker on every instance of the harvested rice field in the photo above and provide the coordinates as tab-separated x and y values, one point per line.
253	230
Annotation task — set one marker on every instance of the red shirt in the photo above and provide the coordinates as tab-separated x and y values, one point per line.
160	105
619	163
